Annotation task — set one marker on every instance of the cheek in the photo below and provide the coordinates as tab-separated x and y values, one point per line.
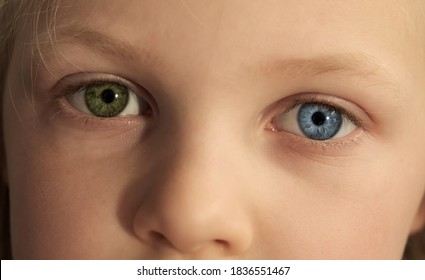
67	195
361	210
76	195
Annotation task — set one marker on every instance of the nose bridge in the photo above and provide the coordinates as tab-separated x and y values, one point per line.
197	202
204	145
205	162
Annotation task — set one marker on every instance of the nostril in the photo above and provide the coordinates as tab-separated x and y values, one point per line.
157	237
222	243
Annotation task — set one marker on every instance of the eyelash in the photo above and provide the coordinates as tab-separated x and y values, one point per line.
91	122
315	99
85	121
73	88
300	143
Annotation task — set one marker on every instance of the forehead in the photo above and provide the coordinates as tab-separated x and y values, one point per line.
290	19
293	28
237	33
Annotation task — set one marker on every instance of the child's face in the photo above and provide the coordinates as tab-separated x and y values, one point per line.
222	153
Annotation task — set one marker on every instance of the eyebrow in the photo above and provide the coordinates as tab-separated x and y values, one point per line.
100	42
361	65
358	65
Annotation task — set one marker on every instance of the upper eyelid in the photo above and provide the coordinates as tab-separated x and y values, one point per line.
74	82
351	116
357	116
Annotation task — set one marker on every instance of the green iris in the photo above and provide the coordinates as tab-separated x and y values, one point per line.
106	99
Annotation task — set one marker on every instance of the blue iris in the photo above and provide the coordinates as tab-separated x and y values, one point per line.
319	121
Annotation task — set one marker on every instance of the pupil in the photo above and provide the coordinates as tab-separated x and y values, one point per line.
318	118
108	96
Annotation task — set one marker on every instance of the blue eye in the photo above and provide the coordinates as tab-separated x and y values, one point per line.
319	121
314	120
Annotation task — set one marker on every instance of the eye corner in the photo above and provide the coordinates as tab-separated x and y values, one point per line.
270	125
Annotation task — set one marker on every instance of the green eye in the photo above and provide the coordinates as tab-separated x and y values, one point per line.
108	99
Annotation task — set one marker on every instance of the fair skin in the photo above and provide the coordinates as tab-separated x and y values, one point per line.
211	170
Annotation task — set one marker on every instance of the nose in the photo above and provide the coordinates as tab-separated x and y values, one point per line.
196	209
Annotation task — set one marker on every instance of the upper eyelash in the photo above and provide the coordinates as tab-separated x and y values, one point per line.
320	100
72	89
69	85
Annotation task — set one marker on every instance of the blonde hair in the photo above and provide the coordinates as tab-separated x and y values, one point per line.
11	12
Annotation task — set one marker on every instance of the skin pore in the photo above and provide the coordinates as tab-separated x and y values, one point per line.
212	163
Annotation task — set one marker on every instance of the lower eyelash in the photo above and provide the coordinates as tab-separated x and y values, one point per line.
305	147
319	150
87	122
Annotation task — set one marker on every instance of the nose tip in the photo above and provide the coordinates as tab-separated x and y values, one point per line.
193	223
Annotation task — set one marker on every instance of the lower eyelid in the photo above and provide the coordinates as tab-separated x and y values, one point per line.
289	143
354	112
70	117
75	82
